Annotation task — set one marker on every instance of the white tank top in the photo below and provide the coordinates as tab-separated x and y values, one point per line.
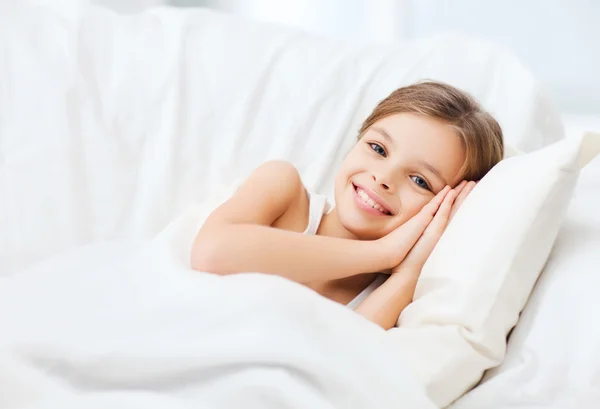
317	207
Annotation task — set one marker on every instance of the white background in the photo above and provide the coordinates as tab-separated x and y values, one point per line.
559	40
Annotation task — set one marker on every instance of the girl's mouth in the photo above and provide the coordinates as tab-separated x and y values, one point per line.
367	203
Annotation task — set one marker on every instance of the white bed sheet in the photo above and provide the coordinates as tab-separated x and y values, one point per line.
553	355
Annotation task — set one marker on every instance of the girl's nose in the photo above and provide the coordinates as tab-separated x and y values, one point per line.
385	184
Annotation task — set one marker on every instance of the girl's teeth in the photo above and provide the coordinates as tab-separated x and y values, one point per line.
369	201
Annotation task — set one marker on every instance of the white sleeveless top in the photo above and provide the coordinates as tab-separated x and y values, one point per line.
317	207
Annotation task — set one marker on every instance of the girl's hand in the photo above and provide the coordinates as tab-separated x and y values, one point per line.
420	252
398	242
462	194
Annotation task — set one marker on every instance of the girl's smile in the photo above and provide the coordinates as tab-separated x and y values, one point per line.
370	201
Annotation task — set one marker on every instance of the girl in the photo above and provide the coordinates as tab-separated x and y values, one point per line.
417	156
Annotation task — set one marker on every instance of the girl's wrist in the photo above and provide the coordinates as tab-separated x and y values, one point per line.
383	258
404	279
406	272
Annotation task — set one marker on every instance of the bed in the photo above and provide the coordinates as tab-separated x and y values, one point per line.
118	135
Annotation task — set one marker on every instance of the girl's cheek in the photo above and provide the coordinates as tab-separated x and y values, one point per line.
399	221
414	207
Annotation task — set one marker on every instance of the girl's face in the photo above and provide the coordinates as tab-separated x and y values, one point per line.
394	170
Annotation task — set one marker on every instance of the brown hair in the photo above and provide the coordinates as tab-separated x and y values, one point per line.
480	132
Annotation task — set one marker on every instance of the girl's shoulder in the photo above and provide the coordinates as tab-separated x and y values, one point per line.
289	182
271	192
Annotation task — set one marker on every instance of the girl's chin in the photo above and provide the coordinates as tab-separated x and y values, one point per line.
364	232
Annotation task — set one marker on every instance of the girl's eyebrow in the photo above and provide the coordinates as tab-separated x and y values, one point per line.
384	133
433	170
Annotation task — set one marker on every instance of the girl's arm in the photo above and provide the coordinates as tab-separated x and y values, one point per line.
384	305
237	236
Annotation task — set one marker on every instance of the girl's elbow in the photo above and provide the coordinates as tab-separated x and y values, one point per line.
206	256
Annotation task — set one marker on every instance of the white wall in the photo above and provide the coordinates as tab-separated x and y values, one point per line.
356	20
128	6
559	40
121	6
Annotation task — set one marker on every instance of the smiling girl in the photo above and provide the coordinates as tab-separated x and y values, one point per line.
416	160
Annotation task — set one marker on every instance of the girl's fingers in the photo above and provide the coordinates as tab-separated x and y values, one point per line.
462	196
440	220
422	219
465	192
446	206
439	198
432	207
427	229
416	225
424	246
458	189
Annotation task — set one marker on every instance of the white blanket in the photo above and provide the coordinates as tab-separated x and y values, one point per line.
129	325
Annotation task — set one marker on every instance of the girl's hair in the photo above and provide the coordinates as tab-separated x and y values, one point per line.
478	130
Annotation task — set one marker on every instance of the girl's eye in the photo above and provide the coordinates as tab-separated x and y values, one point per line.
378	149
422	183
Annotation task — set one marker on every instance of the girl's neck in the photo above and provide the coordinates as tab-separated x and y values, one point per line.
332	226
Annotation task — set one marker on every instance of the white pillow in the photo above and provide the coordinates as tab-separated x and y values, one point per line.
482	271
552	356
